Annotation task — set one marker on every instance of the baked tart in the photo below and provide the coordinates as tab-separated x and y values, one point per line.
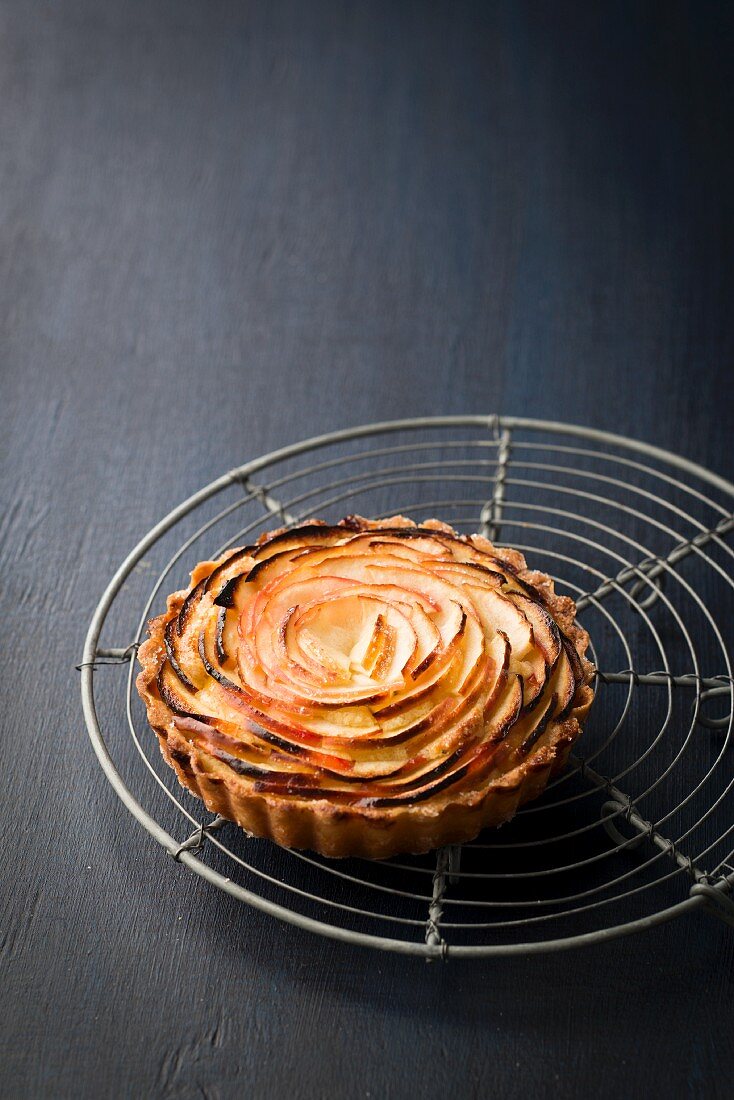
366	688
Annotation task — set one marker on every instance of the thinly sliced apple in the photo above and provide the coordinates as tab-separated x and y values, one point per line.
537	727
459	572
370	643
574	659
323	658
564	685
500	612
188	605
428	641
545	632
415	547
297	538
176	698
472	652
234	564
170	639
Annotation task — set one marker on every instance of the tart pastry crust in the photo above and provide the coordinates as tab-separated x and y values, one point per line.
366	688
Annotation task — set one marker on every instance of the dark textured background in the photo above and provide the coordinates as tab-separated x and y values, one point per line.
226	226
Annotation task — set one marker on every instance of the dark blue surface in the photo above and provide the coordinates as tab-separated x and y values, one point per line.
227	226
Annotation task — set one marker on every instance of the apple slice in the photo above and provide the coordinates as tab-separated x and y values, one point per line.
234	564
178	701
296	538
459	572
545	632
564	686
536	728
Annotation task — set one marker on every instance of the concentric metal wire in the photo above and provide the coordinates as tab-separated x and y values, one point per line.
637	830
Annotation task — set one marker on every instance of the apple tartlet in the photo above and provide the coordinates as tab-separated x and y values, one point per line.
366	688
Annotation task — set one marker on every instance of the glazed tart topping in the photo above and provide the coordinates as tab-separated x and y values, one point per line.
367	665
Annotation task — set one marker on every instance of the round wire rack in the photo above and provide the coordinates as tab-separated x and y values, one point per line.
637	830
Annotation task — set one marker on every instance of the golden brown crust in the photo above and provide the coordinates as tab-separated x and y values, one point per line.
342	823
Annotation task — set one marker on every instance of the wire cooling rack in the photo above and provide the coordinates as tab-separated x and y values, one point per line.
639	828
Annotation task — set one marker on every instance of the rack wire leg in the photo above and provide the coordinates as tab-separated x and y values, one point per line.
718	903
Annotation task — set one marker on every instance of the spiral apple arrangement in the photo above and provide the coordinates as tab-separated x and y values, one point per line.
366	688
